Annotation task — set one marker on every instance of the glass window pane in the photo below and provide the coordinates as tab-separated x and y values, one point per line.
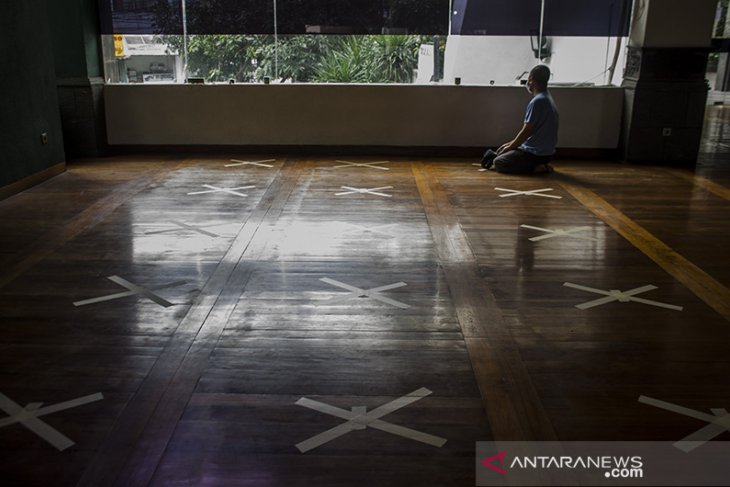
143	59
364	41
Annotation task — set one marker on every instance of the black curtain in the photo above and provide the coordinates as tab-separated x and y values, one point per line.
293	16
573	18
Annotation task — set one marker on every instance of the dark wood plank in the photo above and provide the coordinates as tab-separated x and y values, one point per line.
698	281
513	407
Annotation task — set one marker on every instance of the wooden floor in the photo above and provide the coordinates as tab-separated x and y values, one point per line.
205	390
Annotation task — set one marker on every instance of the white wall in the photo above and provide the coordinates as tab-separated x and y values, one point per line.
424	72
338	114
503	59
583	59
483	60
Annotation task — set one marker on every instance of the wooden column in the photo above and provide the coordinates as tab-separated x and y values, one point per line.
664	79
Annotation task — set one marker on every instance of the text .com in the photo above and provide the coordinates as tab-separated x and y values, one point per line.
625	473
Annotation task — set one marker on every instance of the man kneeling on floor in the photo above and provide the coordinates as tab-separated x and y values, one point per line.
534	146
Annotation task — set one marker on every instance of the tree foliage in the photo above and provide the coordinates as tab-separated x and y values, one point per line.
363	58
301	58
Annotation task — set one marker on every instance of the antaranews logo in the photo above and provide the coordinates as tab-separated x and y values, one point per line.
499	456
617	467
599	463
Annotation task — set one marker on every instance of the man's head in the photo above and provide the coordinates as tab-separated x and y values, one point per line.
537	81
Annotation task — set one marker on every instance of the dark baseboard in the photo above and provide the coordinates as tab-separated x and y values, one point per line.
349	150
32	180
591	154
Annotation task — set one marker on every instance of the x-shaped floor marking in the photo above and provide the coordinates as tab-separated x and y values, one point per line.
251	163
216	189
620	296
359	419
567	232
374	191
373	165
133	289
534	192
719	423
356	292
184	226
375	229
28	417
481	169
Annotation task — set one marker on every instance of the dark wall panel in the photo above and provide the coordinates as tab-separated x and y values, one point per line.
28	92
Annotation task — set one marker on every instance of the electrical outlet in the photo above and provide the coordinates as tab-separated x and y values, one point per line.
44	138
666	132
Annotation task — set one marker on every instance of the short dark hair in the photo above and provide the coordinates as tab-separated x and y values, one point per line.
540	74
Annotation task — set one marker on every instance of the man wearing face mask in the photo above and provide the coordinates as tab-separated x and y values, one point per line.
534	146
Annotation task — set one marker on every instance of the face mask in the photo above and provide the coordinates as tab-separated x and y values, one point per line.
527	87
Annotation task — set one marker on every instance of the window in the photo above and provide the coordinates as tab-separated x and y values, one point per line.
490	42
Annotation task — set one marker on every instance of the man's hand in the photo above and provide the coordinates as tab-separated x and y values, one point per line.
505	148
522	136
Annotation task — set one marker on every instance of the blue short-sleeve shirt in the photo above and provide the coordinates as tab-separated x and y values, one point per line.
543	115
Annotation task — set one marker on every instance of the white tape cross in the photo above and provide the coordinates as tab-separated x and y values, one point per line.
373	191
534	192
373	165
251	163
620	296
375	229
28	417
184	226
356	292
719	423
359	419
133	289
567	232
216	189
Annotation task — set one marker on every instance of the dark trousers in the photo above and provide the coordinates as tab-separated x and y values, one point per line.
519	162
